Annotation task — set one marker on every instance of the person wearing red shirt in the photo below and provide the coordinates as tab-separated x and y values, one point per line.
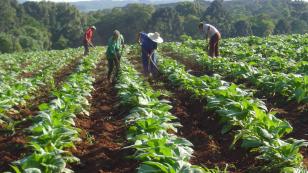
87	39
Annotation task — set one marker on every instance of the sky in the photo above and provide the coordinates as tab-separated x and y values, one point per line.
62	0
81	0
68	0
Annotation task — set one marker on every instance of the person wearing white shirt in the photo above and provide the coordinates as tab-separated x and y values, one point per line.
213	34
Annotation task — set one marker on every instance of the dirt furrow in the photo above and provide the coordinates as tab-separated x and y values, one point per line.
103	133
12	146
211	148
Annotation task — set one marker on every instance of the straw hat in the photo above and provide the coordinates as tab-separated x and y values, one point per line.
155	37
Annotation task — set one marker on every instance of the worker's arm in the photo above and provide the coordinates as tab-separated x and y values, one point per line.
90	42
139	38
122	42
89	39
207	34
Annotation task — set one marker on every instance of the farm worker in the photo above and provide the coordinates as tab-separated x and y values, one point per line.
121	42
214	35
87	39
115	43
148	44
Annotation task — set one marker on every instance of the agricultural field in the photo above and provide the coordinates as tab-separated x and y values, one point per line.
246	111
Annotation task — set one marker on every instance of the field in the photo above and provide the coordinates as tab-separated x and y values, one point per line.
246	111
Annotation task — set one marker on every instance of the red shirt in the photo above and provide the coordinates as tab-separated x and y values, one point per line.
88	36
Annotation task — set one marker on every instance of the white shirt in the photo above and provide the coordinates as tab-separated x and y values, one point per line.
212	30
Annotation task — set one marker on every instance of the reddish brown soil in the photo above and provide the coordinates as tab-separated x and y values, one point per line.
211	148
12	146
295	114
297	117
103	133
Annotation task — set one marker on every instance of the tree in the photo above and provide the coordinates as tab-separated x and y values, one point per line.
187	8
62	20
299	26
263	26
304	17
8	15
139	16
62	43
282	27
242	28
216	15
190	25
6	43
166	21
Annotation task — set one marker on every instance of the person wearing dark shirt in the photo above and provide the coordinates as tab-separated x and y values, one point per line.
87	39
148	44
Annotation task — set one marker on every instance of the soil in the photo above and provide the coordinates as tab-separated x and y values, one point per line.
211	148
103	133
13	144
295	114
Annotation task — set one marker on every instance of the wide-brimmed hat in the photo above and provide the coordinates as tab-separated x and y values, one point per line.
155	37
93	27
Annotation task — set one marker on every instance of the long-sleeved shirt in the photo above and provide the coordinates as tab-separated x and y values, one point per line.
114	46
146	43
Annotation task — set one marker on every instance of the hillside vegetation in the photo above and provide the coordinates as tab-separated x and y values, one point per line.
47	25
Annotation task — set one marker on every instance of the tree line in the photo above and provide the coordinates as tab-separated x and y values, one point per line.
46	25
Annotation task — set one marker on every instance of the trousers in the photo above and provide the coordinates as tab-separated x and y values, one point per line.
113	62
86	49
146	67
213	50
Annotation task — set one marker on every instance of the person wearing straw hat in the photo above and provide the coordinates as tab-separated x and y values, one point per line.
87	39
148	44
214	35
115	43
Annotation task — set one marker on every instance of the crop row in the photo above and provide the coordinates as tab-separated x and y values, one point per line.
53	128
236	50
292	86
258	130
16	91
288	47
152	128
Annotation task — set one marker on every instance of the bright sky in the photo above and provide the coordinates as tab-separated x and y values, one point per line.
80	0
62	0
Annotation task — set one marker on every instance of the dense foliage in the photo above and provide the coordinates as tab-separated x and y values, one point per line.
255	127
151	128
53	129
24	74
259	63
47	25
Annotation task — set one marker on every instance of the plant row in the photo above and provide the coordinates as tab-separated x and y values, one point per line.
53	130
152	128
237	50
287	47
17	90
291	86
240	113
